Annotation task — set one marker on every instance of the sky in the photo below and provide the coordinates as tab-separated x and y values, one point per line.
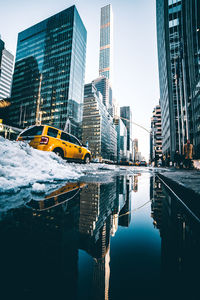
135	81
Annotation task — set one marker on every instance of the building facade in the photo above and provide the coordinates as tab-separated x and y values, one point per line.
178	58
121	142
103	86
98	129
106	43
48	81
192	32
6	71
156	137
135	147
126	116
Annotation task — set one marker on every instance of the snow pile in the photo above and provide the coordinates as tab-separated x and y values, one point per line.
27	173
196	164
22	166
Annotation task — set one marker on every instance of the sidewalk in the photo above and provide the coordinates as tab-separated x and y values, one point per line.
185	184
186	180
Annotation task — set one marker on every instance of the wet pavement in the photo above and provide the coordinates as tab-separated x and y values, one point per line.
122	238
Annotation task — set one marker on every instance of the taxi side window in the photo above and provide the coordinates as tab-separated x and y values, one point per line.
65	137
74	140
52	132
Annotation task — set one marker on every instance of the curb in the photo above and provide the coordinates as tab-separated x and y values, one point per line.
188	195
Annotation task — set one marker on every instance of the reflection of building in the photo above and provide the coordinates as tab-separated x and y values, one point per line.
98	128
76	216
135	184
156	196
6	70
54	50
125	215
101	277
156	136
106	43
180	243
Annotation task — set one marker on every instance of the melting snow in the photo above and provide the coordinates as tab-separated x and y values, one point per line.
25	171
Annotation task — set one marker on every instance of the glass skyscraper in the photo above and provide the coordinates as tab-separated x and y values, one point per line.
172	97
192	30
126	115
48	81
106	43
6	70
178	58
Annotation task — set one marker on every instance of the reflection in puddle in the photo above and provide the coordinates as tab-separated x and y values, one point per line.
100	241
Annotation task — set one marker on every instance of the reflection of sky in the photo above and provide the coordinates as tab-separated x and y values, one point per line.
85	273
136	250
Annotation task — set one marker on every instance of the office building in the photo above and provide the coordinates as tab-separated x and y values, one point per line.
121	142
192	30
178	58
106	43
48	82
126	116
135	147
156	137
98	129
102	85
6	71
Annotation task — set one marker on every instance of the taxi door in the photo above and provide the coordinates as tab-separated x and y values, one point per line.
77	149
68	146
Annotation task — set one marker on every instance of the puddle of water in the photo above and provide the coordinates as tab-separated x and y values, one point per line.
125	239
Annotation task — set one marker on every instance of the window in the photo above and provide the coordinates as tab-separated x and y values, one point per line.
36	130
52	132
74	140
65	137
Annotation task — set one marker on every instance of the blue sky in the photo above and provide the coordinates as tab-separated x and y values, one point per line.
135	49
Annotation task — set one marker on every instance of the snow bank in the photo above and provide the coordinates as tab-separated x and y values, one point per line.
22	166
196	164
27	173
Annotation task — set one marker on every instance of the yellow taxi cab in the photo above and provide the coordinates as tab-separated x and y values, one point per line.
48	138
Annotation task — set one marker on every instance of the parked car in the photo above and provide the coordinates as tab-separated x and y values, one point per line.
48	138
143	163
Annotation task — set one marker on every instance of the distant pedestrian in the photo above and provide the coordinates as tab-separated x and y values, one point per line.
163	161
188	154
168	161
177	159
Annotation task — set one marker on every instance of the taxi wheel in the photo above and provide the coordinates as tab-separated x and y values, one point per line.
59	152
87	159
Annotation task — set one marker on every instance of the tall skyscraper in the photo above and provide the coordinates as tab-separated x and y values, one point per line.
126	115
6	70
106	43
48	81
178	59
135	145
192	30
156	137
